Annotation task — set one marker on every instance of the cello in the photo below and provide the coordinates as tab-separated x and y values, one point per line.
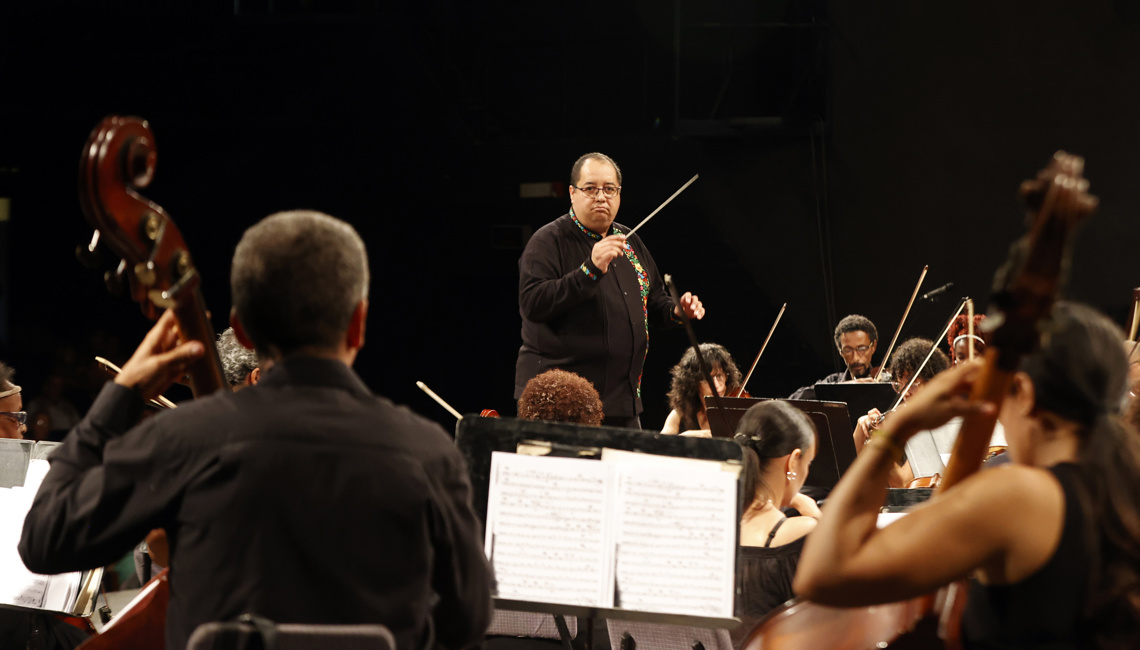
1026	288
120	156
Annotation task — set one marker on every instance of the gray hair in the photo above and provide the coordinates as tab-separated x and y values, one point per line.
296	279
237	360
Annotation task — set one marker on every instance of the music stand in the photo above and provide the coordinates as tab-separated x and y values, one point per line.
836	450
477	437
859	396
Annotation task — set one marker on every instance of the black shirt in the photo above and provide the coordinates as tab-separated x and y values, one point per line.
304	499
578	319
766	575
1045	610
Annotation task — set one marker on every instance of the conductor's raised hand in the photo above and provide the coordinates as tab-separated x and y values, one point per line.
160	359
606	250
692	307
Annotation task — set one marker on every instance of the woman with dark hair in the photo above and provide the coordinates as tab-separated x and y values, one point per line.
1052	540
689	389
779	445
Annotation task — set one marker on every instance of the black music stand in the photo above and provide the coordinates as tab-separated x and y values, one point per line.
477	437
859	396
836	449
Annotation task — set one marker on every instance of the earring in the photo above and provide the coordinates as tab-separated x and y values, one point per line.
791	476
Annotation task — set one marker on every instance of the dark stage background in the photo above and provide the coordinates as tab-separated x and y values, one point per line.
841	147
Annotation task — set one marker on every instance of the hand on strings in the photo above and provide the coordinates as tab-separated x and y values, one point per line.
159	360
607	250
692	307
944	397
863	428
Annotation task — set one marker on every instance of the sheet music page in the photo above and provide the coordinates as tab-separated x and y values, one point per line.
548	535
18	586
610	455
676	540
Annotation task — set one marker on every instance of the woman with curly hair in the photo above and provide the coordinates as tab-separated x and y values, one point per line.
561	396
688	390
958	338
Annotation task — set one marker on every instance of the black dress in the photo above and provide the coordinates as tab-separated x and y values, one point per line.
1044	611
766	576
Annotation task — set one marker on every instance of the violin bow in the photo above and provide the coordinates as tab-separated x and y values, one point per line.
970	328
438	400
921	366
1135	315
667	202
898	330
706	372
761	352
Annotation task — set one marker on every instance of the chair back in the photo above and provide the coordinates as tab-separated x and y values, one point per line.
245	635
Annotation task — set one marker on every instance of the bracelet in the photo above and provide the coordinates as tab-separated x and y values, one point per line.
882	438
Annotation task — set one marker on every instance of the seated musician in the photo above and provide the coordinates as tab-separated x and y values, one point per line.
904	362
779	444
240	364
958	338
561	396
855	339
688	389
305	498
1051	540
13	419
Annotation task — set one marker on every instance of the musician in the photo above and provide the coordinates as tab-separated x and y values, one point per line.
855	339
904	362
304	498
239	363
560	396
13	419
588	294
1051	539
779	444
688	389
958	337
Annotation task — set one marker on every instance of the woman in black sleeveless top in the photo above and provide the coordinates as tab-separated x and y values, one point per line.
1052	541
779	444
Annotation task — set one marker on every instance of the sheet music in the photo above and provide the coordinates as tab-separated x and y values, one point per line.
676	540
548	535
18	586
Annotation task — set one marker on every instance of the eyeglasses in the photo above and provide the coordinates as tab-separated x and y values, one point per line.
846	352
21	417
610	191
900	384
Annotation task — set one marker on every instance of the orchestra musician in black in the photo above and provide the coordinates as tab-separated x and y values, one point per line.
305	498
856	339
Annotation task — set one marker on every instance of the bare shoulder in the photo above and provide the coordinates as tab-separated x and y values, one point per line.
672	423
1009	485
793	529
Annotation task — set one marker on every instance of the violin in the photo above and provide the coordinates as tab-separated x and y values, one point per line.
1026	287
120	156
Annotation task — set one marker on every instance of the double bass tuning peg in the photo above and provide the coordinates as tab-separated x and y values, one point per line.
114	279
89	255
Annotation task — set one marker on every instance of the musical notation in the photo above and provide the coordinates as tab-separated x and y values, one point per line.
635	535
18	586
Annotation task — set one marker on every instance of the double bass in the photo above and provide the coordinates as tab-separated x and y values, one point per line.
120	156
1026	287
